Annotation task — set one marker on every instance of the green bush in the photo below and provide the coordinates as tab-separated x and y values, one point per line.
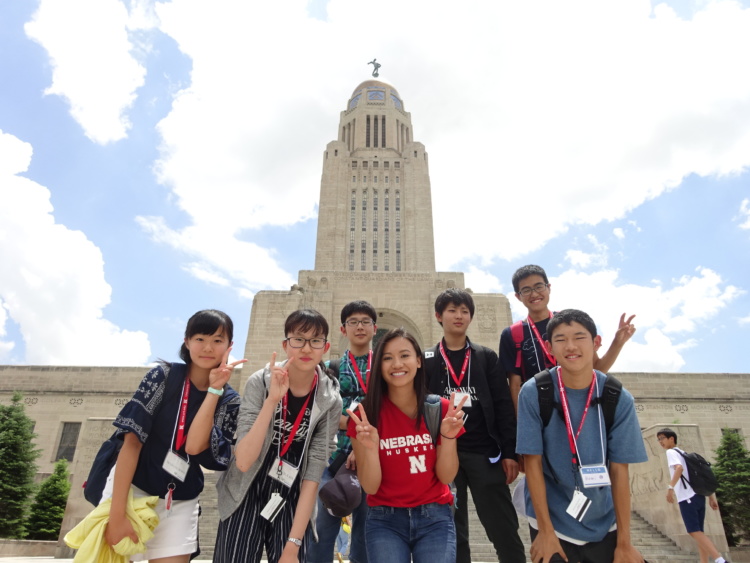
49	505
732	470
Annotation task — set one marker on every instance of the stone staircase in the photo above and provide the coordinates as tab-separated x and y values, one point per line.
655	547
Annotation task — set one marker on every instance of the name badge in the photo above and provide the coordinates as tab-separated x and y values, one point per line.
283	472
175	465
429	354
595	476
579	505
460	396
273	507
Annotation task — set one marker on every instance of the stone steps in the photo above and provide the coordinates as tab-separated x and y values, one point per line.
655	547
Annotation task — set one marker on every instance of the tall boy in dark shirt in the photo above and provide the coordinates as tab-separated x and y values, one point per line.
486	452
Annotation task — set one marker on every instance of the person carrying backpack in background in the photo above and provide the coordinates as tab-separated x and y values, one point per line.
692	505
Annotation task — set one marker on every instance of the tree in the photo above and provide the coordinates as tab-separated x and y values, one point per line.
49	505
17	466
732	470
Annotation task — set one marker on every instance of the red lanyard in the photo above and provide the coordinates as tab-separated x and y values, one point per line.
566	412
550	358
448	365
181	437
285	444
355	367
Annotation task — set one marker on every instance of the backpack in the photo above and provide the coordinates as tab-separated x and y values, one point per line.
516	333
702	479
608	400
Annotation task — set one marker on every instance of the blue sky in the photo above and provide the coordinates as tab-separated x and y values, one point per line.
157	158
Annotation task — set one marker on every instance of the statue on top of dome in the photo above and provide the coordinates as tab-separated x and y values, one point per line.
376	65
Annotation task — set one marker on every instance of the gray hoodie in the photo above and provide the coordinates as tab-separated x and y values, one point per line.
233	484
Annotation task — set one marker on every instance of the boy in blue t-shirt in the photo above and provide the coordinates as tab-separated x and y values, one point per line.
578	489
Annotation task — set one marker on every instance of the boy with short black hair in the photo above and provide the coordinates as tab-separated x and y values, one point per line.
285	431
459	366
522	350
692	505
578	489
358	325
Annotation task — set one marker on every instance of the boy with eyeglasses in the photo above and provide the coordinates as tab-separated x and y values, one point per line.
487	451
524	356
358	326
285	431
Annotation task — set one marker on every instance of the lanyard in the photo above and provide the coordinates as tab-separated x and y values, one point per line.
549	357
355	367
458	379
181	437
572	439
284	445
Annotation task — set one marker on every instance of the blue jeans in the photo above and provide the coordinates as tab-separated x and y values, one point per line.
424	534
328	526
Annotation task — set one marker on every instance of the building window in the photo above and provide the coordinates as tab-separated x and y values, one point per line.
364	178
375	179
66	449
386	179
397	165
375	136
386	165
375	164
354	178
382	132
352	225
354	163
367	132
336	152
364	164
397	180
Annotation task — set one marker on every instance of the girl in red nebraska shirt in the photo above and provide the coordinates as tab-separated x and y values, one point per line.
404	474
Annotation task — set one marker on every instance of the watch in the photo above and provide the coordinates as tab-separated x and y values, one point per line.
218	392
671	488
295	541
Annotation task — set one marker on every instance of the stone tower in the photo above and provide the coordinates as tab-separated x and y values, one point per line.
375	236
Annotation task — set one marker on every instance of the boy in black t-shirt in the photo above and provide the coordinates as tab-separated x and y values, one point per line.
522	360
486	452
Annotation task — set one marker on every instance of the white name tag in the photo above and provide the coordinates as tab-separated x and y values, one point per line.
429	354
175	465
284	473
459	396
273	507
594	476
579	505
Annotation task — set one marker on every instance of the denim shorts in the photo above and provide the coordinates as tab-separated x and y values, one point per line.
423	534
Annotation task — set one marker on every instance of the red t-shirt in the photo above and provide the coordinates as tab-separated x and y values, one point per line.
407	461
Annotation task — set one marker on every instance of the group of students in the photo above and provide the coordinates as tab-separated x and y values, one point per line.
299	419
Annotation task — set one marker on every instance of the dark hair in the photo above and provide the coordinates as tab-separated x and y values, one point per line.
456	296
377	386
303	320
667	433
358	307
568	316
524	272
208	322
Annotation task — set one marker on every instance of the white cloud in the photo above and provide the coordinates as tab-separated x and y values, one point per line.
481	281
745	214
619	233
668	319
6	347
53	282
93	67
744	320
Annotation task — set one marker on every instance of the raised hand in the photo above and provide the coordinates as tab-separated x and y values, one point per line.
367	435
454	418
220	375
625	329
279	379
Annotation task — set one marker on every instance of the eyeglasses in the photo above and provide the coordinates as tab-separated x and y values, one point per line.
297	342
354	322
539	288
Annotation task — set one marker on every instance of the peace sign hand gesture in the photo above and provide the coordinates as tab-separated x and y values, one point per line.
279	379
454	418
367	435
220	375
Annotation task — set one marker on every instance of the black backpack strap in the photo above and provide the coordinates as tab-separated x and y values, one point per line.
433	416
546	394
608	400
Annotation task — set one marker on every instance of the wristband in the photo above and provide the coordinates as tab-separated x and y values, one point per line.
295	541
446	437
670	488
218	392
